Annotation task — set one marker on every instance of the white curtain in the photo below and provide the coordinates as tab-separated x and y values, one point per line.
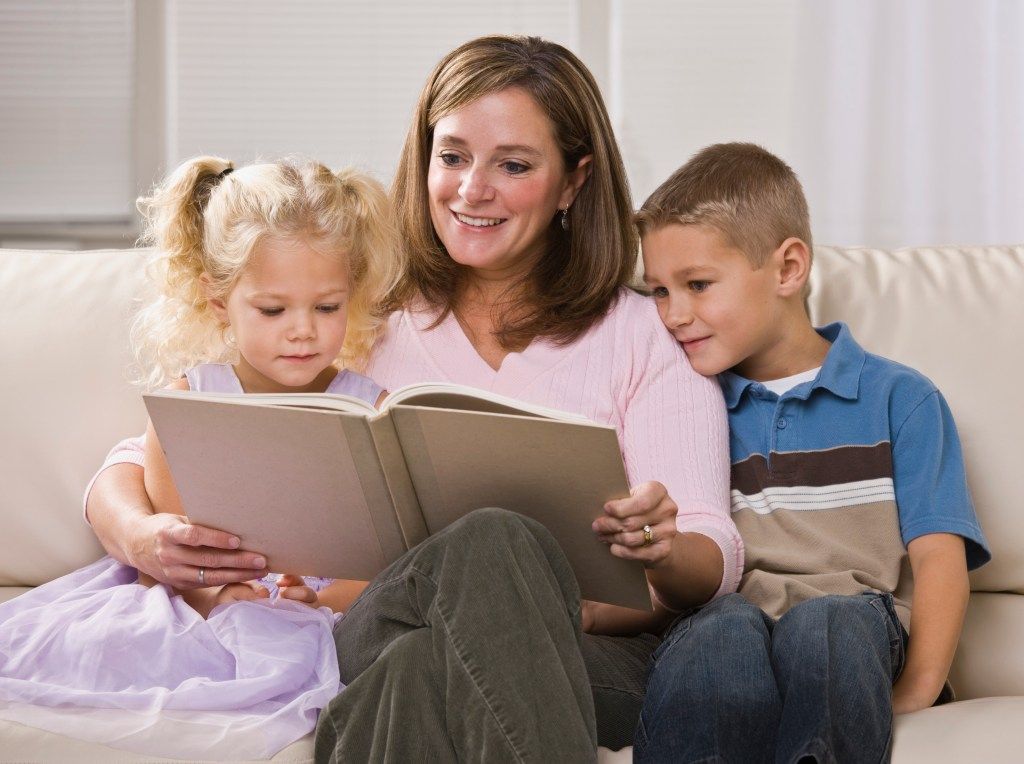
910	120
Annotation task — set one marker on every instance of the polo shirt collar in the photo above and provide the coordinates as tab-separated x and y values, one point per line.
840	373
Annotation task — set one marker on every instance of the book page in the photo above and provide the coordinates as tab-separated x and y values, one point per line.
441	395
557	473
326	401
293	484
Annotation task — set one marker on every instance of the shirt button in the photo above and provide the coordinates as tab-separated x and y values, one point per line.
781	424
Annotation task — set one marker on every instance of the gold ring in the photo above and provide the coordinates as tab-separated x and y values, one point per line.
202	576
648	536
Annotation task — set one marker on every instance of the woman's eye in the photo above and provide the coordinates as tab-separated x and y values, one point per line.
332	308
514	168
699	286
271	311
450	160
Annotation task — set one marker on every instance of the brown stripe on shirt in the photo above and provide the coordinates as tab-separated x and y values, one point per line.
846	464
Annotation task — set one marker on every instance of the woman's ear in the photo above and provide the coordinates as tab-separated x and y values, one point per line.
793	258
217	304
574	181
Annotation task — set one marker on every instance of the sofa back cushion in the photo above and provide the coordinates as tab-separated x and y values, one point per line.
64	399
957	315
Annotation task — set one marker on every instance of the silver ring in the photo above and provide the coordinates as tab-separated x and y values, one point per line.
202	576
648	536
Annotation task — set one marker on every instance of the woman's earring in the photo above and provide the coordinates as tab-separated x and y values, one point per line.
228	336
565	219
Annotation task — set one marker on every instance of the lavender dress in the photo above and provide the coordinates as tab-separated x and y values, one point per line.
94	655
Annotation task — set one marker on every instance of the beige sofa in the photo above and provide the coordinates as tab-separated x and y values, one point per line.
956	314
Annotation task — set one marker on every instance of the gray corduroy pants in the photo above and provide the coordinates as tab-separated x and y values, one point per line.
468	648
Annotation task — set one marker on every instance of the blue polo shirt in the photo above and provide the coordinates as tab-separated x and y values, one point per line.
832	480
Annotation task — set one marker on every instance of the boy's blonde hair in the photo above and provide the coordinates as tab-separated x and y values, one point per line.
582	269
742	190
206	219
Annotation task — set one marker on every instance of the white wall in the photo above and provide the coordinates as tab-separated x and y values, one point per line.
700	72
338	81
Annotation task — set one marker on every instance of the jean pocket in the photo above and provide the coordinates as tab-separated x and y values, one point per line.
897	635
640	738
673	633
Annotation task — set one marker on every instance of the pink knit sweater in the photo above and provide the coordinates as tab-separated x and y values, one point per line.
625	371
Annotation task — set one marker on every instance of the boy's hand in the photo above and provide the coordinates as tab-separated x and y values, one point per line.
941	590
624	522
909	695
291	587
587	616
602	618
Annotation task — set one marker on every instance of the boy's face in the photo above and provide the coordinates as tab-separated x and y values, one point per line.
717	306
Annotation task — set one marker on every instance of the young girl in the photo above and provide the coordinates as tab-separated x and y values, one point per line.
268	278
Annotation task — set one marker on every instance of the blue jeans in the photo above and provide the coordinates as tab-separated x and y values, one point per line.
729	684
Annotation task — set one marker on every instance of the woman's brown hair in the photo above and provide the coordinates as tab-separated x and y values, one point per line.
581	271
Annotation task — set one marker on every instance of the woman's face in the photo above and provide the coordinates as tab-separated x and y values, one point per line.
496	181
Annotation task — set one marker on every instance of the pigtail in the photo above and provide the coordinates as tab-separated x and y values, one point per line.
376	263
176	329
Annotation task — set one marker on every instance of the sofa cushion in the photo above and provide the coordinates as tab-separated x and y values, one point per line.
64	399
22	744
987	730
978	730
989	659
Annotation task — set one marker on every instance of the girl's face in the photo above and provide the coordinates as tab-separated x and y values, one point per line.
496	181
288	315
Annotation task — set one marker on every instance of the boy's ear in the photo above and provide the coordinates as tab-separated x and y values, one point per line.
217	304
793	258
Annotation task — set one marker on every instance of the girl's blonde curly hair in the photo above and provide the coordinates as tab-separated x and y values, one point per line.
206	219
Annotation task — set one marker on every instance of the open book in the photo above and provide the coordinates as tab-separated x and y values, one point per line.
327	485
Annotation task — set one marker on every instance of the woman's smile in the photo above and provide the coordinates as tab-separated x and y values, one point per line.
478	222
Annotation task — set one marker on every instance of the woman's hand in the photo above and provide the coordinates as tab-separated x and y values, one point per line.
622	526
173	551
290	587
684	569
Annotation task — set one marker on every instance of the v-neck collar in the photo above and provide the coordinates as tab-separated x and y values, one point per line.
516	370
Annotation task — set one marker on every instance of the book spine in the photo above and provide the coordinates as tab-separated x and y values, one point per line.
400	487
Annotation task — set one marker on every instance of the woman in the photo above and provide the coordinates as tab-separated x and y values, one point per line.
514	206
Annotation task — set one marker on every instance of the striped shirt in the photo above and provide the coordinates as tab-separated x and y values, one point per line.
831	480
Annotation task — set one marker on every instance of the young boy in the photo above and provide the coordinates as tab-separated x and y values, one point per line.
845	467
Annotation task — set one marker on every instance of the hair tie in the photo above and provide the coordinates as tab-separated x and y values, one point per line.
225	172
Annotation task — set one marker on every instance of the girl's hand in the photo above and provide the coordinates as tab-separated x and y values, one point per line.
622	526
243	592
292	587
203	601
